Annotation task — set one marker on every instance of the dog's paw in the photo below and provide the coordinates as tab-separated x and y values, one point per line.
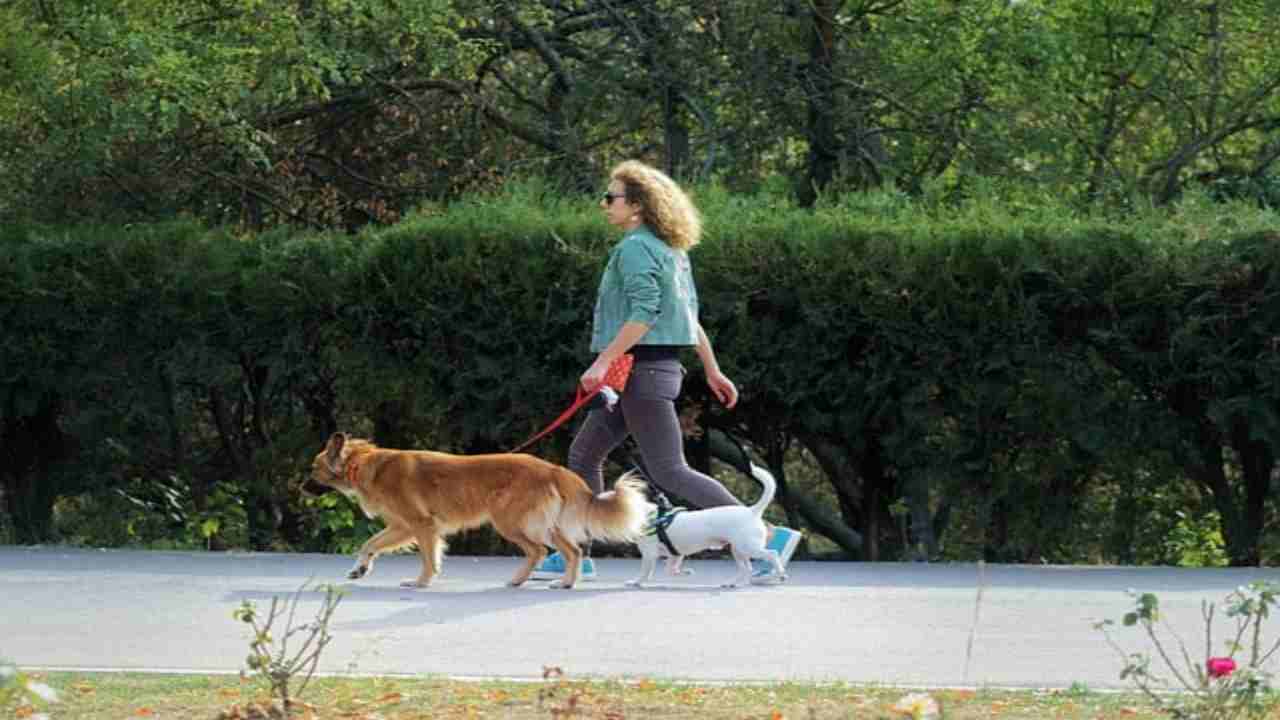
561	585
358	572
415	583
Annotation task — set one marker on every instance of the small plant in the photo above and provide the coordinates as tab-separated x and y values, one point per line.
1221	686
1077	690
22	694
918	706
555	686
279	663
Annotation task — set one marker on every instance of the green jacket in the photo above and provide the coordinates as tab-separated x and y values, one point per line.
650	282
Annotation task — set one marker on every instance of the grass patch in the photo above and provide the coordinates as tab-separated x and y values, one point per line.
85	696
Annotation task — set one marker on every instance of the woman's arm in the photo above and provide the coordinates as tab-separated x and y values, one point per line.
725	391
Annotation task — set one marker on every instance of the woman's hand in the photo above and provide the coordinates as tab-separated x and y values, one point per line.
723	388
595	374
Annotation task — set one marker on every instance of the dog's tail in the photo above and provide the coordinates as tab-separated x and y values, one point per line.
770	487
618	515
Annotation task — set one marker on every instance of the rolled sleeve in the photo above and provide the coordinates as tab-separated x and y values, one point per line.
640	283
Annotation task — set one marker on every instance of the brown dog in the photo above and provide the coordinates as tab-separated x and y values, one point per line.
424	496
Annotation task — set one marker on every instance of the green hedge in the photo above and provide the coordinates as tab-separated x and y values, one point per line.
1014	362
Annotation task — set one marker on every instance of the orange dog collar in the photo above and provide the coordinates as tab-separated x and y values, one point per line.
353	468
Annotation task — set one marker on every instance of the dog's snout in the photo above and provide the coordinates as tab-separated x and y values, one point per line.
307	485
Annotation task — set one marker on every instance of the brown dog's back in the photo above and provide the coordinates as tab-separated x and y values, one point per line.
465	491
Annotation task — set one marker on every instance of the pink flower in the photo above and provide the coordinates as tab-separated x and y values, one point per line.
1220	666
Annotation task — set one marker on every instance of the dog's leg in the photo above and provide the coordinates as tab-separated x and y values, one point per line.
515	533
675	566
431	550
572	559
534	553
390	537
648	563
441	546
743	559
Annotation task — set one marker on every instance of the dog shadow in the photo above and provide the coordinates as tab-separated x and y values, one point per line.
421	606
441	604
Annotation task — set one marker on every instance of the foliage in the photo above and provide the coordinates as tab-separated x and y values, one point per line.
1196	542
345	113
152	107
1217	685
288	670
20	693
1034	383
404	698
154	513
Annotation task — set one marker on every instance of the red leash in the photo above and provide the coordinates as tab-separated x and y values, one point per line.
615	377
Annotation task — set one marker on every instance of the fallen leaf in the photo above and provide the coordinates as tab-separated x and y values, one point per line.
393	697
143	712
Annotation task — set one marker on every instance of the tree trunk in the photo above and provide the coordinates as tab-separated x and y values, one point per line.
819	85
259	506
31	447
924	543
874	481
1207	465
1124	523
29	502
1257	462
675	130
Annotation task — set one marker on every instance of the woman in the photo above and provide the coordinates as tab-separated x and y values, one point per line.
647	305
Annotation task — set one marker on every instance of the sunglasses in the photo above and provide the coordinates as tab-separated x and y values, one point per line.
609	197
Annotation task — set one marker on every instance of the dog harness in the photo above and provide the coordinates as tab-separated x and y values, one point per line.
658	524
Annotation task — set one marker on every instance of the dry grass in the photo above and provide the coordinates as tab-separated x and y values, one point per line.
85	696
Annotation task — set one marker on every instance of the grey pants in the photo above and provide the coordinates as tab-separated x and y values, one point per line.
647	412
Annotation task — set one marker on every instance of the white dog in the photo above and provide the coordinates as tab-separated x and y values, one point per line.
741	528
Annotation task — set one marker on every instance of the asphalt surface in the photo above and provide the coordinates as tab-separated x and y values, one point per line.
898	624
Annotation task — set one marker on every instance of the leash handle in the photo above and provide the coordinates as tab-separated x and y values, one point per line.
615	377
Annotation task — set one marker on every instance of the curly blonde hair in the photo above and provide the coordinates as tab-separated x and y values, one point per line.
664	207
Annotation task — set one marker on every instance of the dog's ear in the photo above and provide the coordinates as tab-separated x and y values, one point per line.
333	449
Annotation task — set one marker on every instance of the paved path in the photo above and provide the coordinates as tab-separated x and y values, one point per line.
902	624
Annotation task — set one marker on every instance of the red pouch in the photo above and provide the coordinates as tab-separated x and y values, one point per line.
618	372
